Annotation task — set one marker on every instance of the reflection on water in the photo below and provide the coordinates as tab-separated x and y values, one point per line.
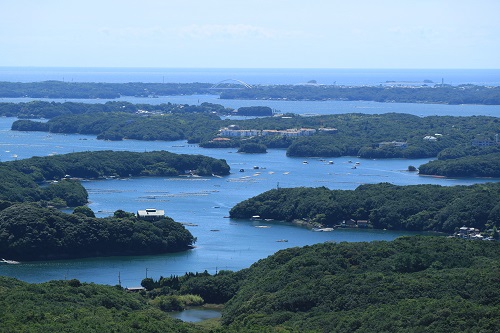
196	314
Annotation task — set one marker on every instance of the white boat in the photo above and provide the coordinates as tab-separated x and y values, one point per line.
11	262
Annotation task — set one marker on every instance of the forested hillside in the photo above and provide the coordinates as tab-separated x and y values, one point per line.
487	165
386	206
74	307
18	186
412	284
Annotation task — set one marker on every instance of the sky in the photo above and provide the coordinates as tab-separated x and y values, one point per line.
251	33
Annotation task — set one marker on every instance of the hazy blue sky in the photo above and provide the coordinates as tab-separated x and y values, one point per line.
251	33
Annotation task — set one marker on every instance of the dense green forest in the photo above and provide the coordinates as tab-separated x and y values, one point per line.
29	231
446	94
17	186
485	165
411	284
119	126
386	206
98	164
74	307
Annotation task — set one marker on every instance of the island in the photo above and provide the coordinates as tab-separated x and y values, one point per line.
382	206
29	231
387	93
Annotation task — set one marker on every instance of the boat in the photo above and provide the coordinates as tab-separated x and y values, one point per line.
305	162
282	240
11	262
322	229
242	170
330	162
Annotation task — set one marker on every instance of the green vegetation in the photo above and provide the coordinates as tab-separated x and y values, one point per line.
40	109
256	111
60	89
369	136
486	165
17	186
411	284
252	148
462	94
386	206
31	232
71	306
98	164
121	125
217	289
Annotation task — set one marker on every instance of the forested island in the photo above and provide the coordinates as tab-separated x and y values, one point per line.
411	284
29	231
382	206
425	93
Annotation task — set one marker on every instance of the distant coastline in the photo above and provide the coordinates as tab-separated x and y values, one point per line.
489	77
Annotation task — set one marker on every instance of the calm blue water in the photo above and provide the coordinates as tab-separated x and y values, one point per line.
251	76
203	203
303	107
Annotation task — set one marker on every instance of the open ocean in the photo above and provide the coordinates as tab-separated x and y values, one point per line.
489	77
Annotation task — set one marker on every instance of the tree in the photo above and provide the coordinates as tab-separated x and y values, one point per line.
84	210
121	214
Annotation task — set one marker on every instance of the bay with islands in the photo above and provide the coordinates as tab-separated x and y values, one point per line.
202	203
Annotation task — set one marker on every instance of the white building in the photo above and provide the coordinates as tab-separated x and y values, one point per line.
151	214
